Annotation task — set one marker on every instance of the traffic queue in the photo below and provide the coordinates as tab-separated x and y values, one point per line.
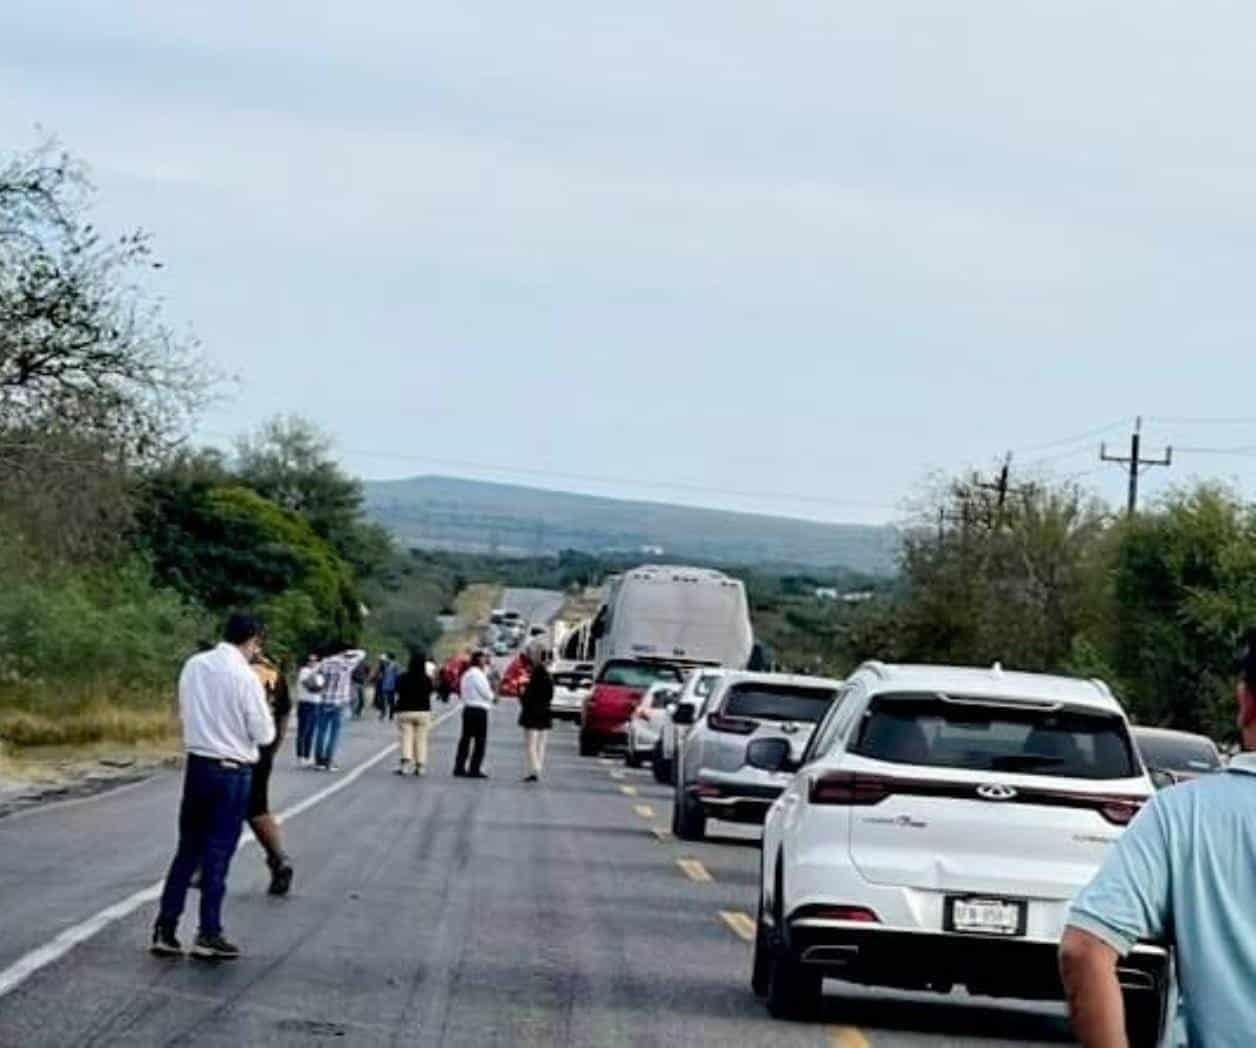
924	827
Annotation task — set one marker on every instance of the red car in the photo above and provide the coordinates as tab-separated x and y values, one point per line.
620	685
451	673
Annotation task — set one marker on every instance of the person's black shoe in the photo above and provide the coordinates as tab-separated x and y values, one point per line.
459	774
164	942
476	775
531	778
214	948
280	879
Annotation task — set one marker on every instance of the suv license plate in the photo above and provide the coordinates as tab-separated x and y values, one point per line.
977	916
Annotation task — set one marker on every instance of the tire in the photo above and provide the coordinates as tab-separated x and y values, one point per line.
794	990
631	758
761	965
589	746
661	767
1144	1017
688	818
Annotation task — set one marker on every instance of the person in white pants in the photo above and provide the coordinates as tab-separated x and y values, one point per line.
534	713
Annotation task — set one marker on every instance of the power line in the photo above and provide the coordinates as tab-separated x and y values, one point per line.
1090	434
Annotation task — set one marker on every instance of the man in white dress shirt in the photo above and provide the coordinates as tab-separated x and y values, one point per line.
477	700
225	719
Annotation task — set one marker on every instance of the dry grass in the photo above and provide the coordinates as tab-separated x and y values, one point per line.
473	606
85	715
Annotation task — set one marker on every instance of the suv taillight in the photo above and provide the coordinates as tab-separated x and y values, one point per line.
843	787
732	725
1120	812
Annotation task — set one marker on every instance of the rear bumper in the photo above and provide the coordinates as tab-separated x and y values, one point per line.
988	966
735	801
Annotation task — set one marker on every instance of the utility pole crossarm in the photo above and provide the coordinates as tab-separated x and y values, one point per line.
1135	462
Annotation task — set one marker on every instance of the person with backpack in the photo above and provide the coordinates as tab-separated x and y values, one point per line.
310	684
386	686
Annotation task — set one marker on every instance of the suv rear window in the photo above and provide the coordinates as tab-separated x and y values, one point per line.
637	674
778	702
1181	753
962	732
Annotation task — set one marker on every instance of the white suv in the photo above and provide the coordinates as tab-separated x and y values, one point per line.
939	824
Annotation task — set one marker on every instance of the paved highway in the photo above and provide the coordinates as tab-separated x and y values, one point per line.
428	911
535	605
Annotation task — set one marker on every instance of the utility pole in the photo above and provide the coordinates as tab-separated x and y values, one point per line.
1135	462
1002	487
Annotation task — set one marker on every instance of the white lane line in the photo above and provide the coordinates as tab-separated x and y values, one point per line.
660	833
628	791
617	774
28	964
644	810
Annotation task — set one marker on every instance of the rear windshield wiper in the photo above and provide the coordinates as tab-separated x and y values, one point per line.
1014	761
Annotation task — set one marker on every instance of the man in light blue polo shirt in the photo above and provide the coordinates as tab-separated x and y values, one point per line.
1184	871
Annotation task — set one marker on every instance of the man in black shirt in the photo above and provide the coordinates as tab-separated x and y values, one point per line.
414	714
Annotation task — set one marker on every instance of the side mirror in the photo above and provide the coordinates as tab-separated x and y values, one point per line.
768	754
683	715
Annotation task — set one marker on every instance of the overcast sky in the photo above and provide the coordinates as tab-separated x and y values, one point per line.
785	257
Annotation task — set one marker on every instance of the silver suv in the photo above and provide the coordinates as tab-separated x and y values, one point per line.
713	779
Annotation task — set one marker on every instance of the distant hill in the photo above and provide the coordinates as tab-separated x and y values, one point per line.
473	516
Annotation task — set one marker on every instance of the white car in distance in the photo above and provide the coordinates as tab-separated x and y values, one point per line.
940	823
573	681
646	722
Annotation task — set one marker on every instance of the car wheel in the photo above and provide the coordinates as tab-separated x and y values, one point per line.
794	990
688	818
589	746
761	965
1144	1018
631	758
661	767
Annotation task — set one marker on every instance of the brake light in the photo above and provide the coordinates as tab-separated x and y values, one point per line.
843	787
732	725
859	914
1120	812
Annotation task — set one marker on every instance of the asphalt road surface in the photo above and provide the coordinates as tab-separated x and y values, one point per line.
427	911
535	605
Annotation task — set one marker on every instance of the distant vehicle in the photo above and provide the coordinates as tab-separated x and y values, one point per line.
501	648
679	615
699	685
935	832
573	683
497	616
1176	756
713	779
511	618
537	630
647	720
619	686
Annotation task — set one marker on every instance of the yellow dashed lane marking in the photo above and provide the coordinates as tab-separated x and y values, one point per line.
695	871
847	1037
741	923
628	791
644	810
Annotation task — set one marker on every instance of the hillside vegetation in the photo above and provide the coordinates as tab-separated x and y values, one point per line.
472	516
